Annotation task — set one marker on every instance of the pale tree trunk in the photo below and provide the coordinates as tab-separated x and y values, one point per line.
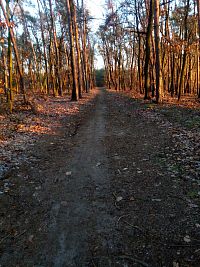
44	51
139	47
56	52
36	69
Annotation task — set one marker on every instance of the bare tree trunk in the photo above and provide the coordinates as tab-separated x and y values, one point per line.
85	55
9	90
157	50
198	55
44	50
148	52
72	53
15	50
184	51
80	79
139	47
56	53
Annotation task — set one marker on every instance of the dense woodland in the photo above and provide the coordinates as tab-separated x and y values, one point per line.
152	46
149	46
104	176
45	49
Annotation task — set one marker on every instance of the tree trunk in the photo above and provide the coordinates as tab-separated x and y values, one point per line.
84	45
198	54
72	53
9	90
15	50
80	79
157	50
44	50
56	53
148	51
180	91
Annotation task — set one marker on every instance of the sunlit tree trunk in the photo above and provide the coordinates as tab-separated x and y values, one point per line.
180	91
198	55
12	37
9	89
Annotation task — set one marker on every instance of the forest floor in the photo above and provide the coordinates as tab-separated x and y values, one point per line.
110	181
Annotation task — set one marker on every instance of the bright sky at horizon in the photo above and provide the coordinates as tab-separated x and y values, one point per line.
96	9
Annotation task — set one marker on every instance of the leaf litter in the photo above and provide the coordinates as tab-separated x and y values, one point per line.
168	215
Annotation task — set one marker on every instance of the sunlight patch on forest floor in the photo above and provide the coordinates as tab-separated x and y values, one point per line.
23	127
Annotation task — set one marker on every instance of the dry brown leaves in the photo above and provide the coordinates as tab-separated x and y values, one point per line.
20	130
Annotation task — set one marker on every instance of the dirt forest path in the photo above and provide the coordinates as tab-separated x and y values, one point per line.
82	210
110	194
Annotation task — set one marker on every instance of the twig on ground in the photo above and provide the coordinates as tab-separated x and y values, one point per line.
94	265
4	238
183	245
114	195
176	197
117	206
121	217
21	234
134	226
134	260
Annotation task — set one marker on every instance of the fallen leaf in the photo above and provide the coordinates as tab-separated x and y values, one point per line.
175	264
118	199
187	239
64	203
30	239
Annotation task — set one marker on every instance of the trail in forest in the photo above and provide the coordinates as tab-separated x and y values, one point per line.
82	210
111	193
